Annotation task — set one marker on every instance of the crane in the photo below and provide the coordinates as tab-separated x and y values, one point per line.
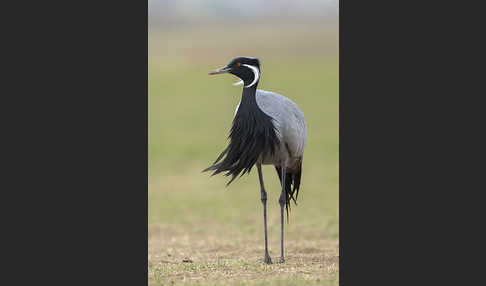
267	129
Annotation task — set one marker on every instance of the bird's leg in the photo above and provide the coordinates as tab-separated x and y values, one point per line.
267	259
282	201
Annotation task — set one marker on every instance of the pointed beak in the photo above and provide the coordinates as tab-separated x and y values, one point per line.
224	69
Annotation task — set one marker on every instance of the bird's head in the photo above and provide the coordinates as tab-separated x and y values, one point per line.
247	69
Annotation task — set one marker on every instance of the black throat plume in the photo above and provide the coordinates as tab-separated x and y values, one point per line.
252	135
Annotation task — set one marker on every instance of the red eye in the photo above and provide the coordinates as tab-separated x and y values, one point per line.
238	64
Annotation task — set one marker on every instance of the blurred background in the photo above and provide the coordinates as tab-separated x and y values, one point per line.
194	216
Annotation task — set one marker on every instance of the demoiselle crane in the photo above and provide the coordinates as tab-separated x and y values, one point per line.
268	129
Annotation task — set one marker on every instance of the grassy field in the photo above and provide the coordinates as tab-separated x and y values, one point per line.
218	231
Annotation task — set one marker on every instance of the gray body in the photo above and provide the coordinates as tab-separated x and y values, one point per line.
290	127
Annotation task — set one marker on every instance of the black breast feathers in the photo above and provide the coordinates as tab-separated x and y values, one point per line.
252	135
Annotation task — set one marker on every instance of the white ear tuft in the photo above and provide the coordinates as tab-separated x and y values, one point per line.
256	74
238	83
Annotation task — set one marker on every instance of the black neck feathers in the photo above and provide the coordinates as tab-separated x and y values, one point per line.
252	136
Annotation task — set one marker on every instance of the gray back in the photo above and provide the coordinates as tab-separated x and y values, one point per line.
289	120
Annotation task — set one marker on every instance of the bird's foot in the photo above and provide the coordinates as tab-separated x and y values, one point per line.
281	260
267	259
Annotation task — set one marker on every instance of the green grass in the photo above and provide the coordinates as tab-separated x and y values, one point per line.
192	215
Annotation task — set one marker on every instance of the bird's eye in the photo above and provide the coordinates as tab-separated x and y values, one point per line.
238	64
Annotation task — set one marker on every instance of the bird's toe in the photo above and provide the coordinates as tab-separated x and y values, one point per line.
281	260
267	259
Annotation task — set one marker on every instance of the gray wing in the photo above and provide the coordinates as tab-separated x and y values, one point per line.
288	119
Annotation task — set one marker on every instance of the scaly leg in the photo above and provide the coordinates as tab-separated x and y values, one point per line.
267	259
282	201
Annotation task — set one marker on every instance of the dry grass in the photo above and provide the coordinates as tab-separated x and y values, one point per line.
230	256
